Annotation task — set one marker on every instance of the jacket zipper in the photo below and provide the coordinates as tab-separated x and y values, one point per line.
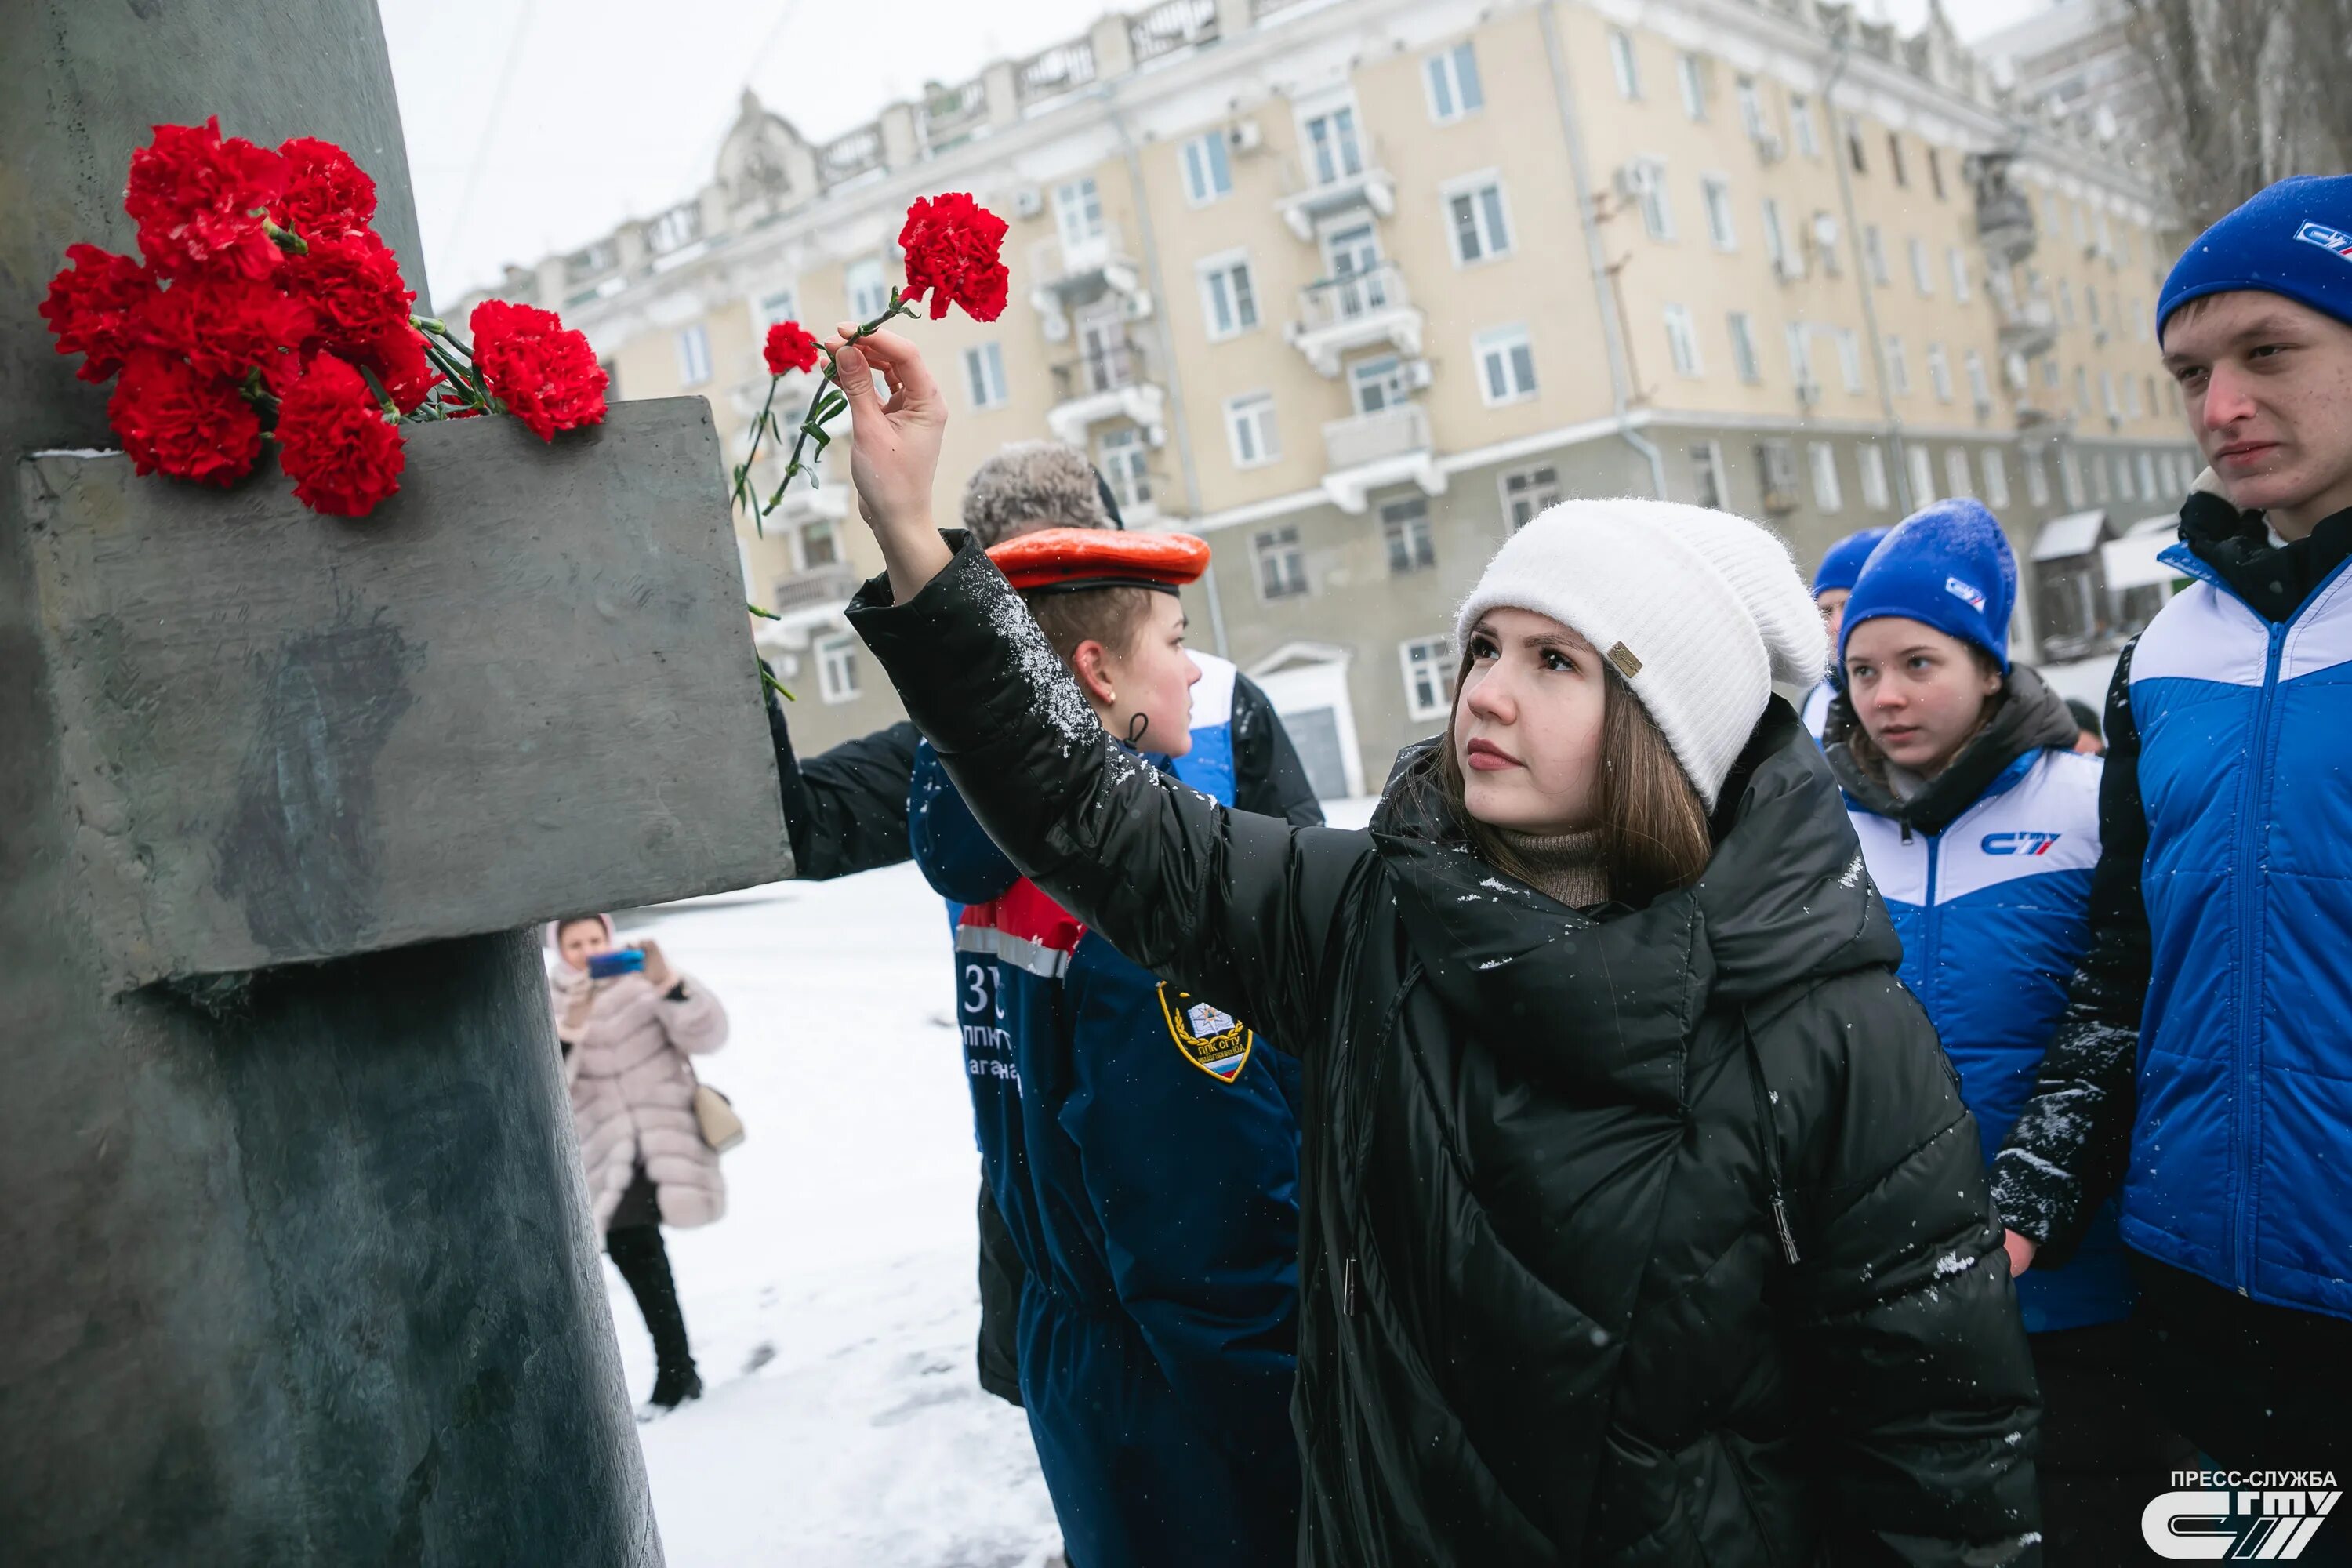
2250	808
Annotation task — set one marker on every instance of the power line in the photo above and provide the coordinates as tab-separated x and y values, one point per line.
489	126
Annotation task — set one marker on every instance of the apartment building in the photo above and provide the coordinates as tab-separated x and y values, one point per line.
1353	288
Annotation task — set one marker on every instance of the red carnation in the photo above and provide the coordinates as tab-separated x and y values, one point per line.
200	201
326	193
396	354
353	282
545	374
93	308
226	326
951	244
335	441
189	426
790	347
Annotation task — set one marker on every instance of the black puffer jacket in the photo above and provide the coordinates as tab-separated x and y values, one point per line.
1546	1317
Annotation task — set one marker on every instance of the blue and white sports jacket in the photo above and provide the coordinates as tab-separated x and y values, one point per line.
1993	912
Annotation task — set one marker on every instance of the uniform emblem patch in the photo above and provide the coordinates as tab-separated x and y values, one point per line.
2327	238
1211	1039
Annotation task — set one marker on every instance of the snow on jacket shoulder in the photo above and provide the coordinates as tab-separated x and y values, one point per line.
1987	872
1546	1317
632	1090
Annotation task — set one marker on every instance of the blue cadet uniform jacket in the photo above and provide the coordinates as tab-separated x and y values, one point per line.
1142	1148
1987	872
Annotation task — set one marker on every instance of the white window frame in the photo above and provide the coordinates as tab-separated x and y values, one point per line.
1870	458
1995	470
867	285
1874	254
1531	487
1898	366
1785	259
1490	206
1801	129
693	354
1959	476
1207	168
1707	474
1493	347
2037	480
1434	656
1234	302
1413	507
983	376
1750	98
1250	416
1123	458
1828	496
1939	373
1922	465
1799	338
1445	79
836	658
1294	546
1652	199
1714	200
1980	381
1682	344
1338	112
1956	260
1078	212
1923	276
789	294
1746	364
1849	352
1690	74
2145	463
1626	64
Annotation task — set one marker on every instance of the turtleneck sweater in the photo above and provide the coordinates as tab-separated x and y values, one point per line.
1565	866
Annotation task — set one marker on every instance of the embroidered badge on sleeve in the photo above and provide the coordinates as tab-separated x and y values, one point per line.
1211	1039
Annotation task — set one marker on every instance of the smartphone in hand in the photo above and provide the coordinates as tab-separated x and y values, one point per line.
619	961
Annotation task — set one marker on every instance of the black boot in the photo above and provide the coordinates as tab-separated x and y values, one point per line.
637	1251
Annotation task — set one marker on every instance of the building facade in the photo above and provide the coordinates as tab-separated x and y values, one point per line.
1353	288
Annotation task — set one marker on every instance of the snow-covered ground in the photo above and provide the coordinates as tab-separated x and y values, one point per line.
834	1309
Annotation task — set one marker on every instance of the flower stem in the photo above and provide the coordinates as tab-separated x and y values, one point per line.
285	239
811	425
743	490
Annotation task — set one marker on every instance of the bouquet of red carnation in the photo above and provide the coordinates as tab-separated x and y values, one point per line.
265	309
953	247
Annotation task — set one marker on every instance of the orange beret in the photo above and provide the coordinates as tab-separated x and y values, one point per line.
1073	558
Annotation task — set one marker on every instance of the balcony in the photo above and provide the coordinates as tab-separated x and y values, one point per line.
1365	452
1354	311
1114	382
1066	275
804	604
2027	328
1350	185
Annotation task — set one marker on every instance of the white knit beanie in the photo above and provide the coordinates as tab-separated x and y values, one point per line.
1699	610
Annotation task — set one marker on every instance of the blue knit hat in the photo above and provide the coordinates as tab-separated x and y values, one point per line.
1842	561
1947	566
2294	238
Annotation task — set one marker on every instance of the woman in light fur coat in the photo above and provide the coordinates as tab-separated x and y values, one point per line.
626	1042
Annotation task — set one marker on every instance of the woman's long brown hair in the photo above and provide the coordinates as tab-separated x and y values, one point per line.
1652	824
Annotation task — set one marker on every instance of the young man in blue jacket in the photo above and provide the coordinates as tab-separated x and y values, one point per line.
2205	1058
1833	582
1141	1145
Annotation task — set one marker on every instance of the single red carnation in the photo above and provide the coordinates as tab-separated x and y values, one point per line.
544	373
396	354
93	308
343	452
352	283
200	201
326	193
189	426
952	246
790	347
226	325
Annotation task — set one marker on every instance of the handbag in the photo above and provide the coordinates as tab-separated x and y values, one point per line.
714	1113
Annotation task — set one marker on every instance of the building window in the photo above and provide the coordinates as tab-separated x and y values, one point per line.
1646	181
1871	458
1923	476
1693	77
1980	386
1923	277
2082	389
1455	89
983	375
2131	398
2065	302
1744	362
1404	525
2037	479
1281	565
2091	309
2070	477
1800	361
1898	367
1956	473
1801	125
1506	365
2107	395
869	292
1776	466
836	669
1707	474
1849	352
1939	373
1751	109
1228	299
1853	151
1996	477
1776	242
1958	260
2124	485
1629	69
1208	171
779	305
820	546
1249	429
1428	670
1682	341
1895	157
1124	456
693	356
1481	231
2152	407
1078	211
1715	194
1526	491
1874	253
1935	172
1331	145
1826	494
1377	383
2050	370
2099	491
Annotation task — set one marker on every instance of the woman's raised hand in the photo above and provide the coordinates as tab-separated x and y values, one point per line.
894	451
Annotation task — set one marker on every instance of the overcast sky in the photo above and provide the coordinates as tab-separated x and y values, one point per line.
535	125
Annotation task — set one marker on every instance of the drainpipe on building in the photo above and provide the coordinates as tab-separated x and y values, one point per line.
1180	426
1596	254
1839	156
